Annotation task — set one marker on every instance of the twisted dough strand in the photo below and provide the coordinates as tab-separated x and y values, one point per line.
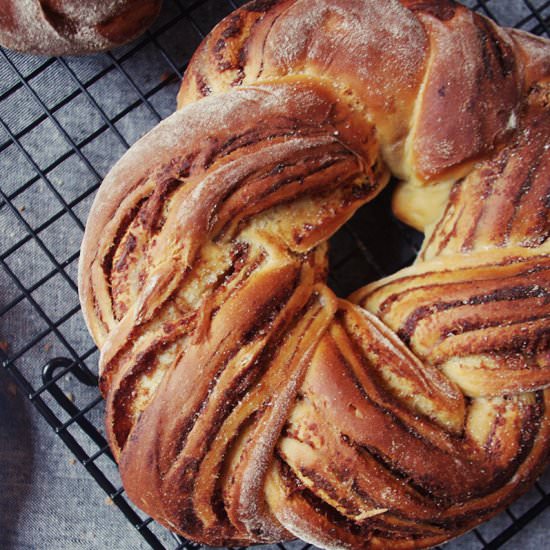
245	402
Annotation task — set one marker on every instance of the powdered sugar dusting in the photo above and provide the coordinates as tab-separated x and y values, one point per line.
537	47
92	13
214	114
369	35
537	50
34	32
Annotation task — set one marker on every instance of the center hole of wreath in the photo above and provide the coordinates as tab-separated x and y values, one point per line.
373	244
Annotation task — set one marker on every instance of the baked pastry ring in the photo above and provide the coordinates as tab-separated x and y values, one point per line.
60	27
247	403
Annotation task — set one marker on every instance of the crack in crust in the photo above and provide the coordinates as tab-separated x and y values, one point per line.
246	403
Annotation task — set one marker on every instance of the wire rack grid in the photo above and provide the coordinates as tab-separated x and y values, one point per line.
46	192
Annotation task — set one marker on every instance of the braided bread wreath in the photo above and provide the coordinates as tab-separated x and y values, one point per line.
246	403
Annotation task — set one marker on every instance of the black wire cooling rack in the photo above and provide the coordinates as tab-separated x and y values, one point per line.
51	167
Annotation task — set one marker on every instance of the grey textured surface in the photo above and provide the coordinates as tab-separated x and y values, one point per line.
60	132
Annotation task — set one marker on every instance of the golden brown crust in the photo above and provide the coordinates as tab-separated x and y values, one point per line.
462	113
326	41
61	27
245	402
